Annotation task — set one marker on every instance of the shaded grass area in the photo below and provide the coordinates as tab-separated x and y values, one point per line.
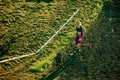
99	58
26	26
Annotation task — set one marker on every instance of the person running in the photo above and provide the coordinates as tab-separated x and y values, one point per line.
80	32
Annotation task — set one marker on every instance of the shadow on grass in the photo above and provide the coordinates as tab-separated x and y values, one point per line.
99	56
54	74
66	59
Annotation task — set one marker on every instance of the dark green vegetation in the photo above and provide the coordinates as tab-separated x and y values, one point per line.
27	25
99	59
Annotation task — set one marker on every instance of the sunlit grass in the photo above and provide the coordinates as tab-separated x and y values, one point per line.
40	66
27	26
58	44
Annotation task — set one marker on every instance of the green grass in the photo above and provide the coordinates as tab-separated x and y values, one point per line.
40	66
31	24
65	35
100	50
58	44
26	26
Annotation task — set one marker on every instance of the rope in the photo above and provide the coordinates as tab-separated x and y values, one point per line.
6	60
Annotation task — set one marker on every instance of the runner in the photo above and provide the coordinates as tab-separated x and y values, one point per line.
80	32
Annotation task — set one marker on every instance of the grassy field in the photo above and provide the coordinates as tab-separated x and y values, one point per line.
27	25
99	58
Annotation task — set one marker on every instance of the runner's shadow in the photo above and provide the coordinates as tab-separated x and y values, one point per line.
62	60
54	74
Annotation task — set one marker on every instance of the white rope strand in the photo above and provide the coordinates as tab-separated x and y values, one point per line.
6	60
